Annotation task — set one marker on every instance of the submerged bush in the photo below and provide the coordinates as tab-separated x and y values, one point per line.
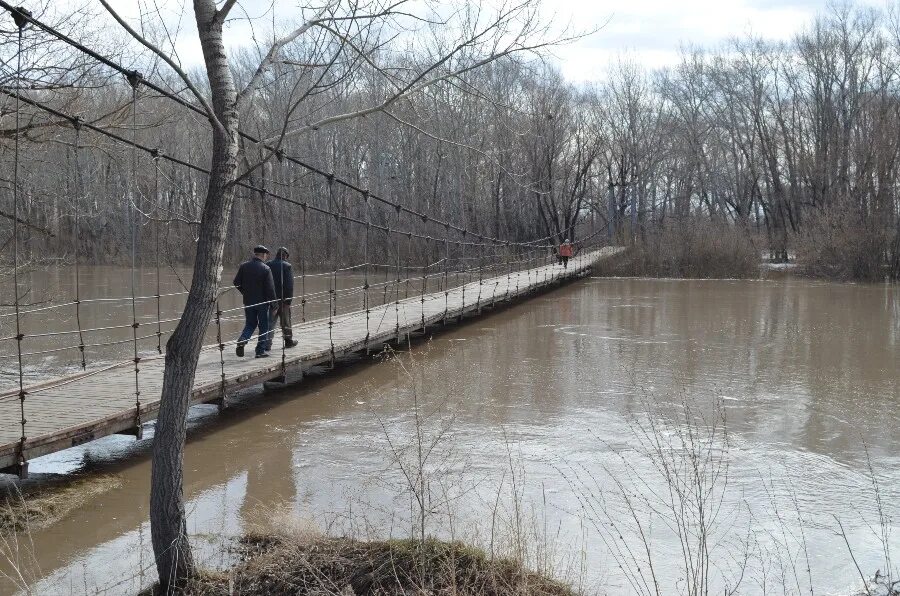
840	244
692	249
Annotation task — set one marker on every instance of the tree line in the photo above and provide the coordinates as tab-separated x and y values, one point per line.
794	142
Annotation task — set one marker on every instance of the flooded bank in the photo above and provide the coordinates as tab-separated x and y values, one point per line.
538	416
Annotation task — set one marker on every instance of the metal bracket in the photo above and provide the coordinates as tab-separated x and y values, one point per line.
20	469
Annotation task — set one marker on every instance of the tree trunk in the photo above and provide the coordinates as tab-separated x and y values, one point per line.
168	523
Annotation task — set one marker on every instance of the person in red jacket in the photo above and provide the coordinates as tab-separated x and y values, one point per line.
566	251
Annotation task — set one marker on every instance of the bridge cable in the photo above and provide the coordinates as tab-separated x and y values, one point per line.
156	202
221	345
303	233
446	271
131	197
22	465
508	273
425	279
387	273
28	18
200	169
79	192
466	279
480	280
397	287
366	271
408	255
280	304
332	290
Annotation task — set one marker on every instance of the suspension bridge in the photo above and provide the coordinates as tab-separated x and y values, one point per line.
390	297
120	398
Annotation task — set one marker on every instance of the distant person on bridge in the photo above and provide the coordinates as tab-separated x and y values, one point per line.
284	292
254	281
565	252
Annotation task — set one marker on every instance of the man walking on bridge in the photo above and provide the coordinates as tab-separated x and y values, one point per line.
255	283
283	275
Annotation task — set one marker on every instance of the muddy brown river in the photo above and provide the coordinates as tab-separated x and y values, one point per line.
618	431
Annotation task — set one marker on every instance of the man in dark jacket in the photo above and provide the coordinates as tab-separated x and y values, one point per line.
284	291
254	281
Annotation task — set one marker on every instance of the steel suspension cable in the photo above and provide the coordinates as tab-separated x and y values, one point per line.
131	198
303	232
466	280
446	271
20	21
397	287
408	253
332	293
276	151
480	280
508	272
176	161
366	271
79	192
221	345
156	201
281	305
425	280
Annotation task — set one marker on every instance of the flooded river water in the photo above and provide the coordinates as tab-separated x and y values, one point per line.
562	427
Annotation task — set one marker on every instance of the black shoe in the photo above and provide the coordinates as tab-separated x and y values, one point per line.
263	355
239	350
290	343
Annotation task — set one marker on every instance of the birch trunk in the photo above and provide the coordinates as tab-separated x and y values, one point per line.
168	523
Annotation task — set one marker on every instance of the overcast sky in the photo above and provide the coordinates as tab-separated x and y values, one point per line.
648	31
651	31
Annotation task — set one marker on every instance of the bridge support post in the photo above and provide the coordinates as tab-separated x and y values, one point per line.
136	431
20	469
221	402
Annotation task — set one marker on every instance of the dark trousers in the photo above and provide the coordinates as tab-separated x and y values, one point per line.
281	313
257	316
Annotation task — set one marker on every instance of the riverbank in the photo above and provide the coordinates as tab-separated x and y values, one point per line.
273	565
713	251
690	250
639	261
37	504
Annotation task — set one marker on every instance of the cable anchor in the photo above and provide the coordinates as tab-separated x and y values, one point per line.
21	16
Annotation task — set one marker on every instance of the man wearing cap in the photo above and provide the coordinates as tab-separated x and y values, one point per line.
255	283
283	275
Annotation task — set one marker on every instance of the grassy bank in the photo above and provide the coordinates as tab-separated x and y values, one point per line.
37	504
836	246
277	565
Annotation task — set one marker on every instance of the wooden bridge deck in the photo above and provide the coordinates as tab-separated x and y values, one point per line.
70	411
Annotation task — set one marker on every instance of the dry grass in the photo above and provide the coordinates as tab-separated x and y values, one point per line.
277	565
696	249
32	508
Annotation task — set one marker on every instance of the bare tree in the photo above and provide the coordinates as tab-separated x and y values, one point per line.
349	38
